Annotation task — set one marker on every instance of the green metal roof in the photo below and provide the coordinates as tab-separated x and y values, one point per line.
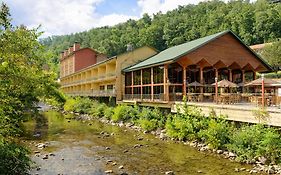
173	53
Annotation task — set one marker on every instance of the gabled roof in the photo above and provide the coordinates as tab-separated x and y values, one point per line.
173	53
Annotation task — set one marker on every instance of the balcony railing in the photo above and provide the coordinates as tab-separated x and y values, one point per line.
144	97
94	93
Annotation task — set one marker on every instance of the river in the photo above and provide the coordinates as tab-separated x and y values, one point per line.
84	147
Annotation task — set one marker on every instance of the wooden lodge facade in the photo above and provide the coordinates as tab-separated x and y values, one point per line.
192	68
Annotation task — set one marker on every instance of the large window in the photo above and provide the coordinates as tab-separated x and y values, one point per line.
209	75
193	74
175	72
223	74
237	76
146	76
158	74
158	89
249	76
128	79
137	77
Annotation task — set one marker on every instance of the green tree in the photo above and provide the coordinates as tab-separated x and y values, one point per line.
272	53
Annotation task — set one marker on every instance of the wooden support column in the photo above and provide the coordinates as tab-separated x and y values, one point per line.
166	85
201	79
217	73
243	80
141	84
132	84
184	81
152	90
255	75
230	74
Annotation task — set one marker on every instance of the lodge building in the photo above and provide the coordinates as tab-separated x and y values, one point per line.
168	75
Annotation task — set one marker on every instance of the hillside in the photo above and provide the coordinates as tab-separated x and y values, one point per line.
254	22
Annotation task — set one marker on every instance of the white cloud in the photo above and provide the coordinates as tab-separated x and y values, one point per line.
63	16
153	6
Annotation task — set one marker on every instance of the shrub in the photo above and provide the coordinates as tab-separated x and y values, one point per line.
14	158
83	105
121	113
69	104
148	125
98	109
245	142
108	112
270	145
217	133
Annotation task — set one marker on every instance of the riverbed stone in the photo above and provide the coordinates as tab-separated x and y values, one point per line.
45	157
231	154
219	151
114	163
121	167
262	160
169	173
108	171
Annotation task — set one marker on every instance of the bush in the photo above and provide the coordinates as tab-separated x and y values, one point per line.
245	142
69	104
121	113
148	125
98	109
217	133
14	158
108	112
83	105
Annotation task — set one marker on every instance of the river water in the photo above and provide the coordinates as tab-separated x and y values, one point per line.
83	147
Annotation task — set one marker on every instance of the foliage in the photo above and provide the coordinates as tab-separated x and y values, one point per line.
24	81
250	142
217	133
186	125
121	113
108	112
150	119
261	114
14	158
98	109
272	53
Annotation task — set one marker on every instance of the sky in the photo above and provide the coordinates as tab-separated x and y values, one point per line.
59	17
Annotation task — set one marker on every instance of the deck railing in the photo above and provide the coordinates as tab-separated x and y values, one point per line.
94	93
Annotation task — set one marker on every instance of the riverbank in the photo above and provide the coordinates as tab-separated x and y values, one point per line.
252	144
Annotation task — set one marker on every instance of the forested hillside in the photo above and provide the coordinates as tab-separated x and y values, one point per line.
255	23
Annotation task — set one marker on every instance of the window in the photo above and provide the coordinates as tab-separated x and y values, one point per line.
137	77
110	87
175	72
158	74
101	88
128	79
146	76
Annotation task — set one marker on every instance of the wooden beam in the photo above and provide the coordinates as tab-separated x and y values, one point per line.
230	74
166	86
141	85
152	90
184	81
201	79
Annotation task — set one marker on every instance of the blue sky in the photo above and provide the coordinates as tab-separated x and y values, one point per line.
58	17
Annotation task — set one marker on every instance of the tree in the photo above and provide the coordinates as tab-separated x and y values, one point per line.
272	53
23	83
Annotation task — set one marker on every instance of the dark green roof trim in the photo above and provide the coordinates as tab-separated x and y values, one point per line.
174	53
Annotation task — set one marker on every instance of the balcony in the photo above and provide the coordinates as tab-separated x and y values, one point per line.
94	93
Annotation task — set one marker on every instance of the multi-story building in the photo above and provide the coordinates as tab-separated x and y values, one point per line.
74	59
99	77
